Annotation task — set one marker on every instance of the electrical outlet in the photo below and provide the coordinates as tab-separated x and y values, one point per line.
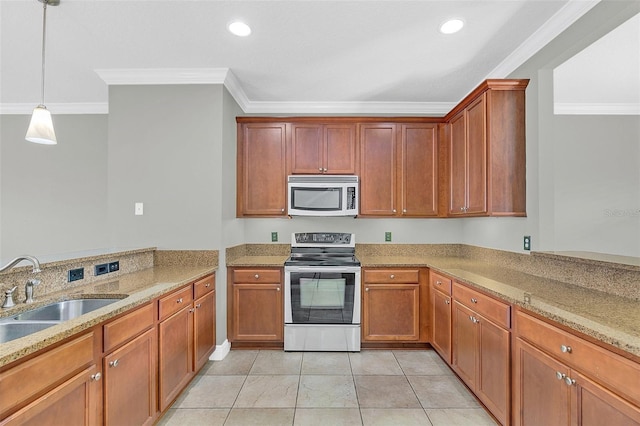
114	266
101	269
274	237
75	274
527	242
387	236
138	209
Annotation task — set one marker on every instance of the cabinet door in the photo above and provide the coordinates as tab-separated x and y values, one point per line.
74	402
541	397
204	339
441	308
378	167
258	312
130	382
262	171
339	149
477	157
464	344
175	355
593	405
457	165
493	381
419	170
391	312
306	148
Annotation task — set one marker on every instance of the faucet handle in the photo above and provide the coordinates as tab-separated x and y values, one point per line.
10	291
8	298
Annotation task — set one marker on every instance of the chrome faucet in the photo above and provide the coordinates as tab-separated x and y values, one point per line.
8	298
14	262
32	282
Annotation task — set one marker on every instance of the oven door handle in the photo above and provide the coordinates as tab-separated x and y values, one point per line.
321	268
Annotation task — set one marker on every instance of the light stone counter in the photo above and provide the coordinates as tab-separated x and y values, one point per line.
136	288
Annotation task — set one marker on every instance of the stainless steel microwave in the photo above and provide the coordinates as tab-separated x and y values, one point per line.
322	195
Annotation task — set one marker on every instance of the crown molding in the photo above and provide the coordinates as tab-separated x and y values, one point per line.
57	109
380	108
568	108
559	22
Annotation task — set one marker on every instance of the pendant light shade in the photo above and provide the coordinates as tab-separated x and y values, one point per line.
41	126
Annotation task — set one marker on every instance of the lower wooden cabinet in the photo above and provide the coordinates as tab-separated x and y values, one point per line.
481	348
255	305
570	386
440	287
130	382
392	305
204	328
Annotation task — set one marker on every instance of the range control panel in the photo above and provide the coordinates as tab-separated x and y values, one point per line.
323	239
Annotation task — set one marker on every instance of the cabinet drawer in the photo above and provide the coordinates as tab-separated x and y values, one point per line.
172	303
30	378
490	308
204	286
256	276
619	374
391	276
130	325
440	282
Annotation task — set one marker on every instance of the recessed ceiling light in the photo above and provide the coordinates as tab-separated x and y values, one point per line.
239	28
451	26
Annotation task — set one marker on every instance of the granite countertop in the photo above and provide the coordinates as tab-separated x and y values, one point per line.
135	288
608	318
276	261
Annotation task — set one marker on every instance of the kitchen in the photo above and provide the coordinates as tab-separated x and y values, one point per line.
35	181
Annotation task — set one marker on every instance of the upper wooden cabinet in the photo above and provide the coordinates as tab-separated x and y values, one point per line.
261	169
323	148
486	151
398	169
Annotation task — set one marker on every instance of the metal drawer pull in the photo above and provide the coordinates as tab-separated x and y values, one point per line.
474	300
565	349
256	276
471	318
96	377
439	282
278	289
179	300
447	301
560	376
114	363
392	276
198	305
569	381
207	285
366	289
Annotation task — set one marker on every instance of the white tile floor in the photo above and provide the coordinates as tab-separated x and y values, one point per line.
327	388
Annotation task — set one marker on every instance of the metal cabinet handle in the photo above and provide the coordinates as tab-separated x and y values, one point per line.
278	289
392	276
404	210
96	377
207	285
198	305
474	300
569	381
179	300
114	363
395	211
319	169
256	276
324	170
366	289
282	210
471	318
565	349
439	282
560	376
447	301
192	310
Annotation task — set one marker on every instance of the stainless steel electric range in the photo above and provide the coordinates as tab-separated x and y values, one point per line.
322	293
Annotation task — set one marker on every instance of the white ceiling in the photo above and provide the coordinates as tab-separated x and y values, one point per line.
338	56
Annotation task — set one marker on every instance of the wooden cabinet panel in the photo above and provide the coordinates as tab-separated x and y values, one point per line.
306	148
74	402
339	151
496	311
464	345
378	166
440	282
391	276
175	355
441	323
594	405
204	328
175	302
540	395
391	312
257	276
130	382
262	169
419	170
457	165
204	286
126	327
323	148
258	312
30	378
476	157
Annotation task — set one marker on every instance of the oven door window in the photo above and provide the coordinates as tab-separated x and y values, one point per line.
322	297
316	199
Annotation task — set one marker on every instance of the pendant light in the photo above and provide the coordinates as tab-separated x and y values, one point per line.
41	126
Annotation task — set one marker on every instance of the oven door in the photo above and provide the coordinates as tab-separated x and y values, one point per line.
322	295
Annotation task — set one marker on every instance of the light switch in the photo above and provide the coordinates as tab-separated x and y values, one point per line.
139	209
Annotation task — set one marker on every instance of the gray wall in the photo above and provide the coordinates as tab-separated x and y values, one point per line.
53	199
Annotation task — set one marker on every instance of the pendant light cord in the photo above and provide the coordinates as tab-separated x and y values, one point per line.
44	32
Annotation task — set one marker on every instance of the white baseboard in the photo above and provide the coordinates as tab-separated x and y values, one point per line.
221	351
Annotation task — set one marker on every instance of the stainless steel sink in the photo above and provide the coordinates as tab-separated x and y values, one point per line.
17	329
65	310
